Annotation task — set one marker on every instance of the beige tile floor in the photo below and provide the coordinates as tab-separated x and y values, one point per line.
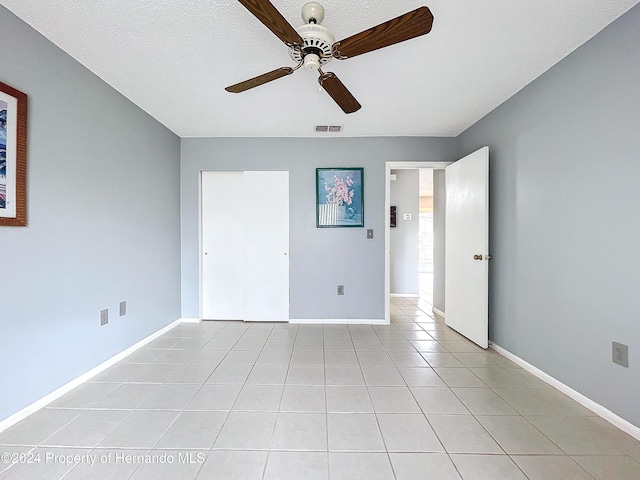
228	400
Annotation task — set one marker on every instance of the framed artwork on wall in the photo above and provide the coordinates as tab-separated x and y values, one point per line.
339	197
13	157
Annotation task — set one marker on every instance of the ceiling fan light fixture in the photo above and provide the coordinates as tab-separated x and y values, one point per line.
312	62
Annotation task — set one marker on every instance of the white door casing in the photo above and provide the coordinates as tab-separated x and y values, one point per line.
467	244
436	165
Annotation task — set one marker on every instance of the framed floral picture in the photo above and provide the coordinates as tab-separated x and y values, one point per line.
339	197
13	156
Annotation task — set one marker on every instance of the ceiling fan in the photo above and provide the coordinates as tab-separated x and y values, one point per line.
313	45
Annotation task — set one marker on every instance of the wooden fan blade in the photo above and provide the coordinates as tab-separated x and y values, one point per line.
269	15
339	92
410	25
260	80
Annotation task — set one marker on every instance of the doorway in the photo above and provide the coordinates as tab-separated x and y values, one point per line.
428	269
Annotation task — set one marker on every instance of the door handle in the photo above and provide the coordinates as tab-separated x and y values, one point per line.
477	257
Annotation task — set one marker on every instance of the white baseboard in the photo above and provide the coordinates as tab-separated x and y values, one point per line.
596	408
46	400
410	295
189	320
341	321
438	313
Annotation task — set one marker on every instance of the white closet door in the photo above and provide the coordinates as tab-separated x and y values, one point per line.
245	246
222	246
266	246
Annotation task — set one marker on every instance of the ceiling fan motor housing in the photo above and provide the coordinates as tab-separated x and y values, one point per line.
317	40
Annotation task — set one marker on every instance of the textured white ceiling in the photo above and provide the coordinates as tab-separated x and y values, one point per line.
173	58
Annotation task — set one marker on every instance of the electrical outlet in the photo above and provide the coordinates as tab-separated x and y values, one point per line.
104	317
621	354
123	309
340	289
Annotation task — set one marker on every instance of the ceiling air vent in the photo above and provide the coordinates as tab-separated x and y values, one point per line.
328	128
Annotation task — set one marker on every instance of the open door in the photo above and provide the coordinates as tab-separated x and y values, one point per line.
467	245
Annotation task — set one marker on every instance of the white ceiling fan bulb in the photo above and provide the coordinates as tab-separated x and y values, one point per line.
312	10
312	62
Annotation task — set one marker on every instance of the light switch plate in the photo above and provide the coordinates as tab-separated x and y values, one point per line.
369	233
123	309
104	317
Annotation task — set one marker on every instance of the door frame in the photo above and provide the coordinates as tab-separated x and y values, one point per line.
436	165
200	249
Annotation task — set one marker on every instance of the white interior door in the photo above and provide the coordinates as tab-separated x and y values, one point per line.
266	246
467	244
222	246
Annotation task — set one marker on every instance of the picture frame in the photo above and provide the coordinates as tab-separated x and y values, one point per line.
339	197
13	156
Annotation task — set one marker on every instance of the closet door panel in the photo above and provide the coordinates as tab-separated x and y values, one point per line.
222	246
266	246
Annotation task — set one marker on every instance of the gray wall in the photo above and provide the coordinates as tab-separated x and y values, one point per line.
405	195
565	268
321	258
103	224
